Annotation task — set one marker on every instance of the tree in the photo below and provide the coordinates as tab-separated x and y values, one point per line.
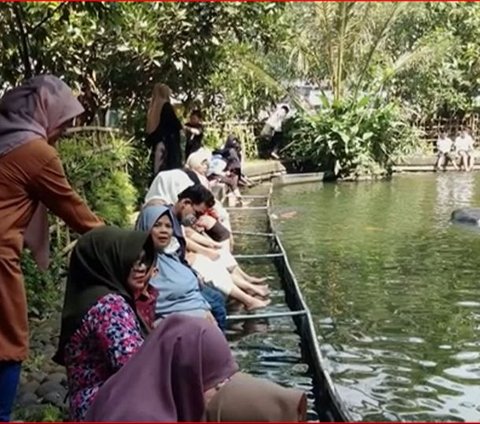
113	53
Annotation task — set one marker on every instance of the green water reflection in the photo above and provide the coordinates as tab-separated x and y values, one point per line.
394	289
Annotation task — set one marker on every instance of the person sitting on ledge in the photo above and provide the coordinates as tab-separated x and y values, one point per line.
465	149
444	148
179	289
185	371
120	370
101	327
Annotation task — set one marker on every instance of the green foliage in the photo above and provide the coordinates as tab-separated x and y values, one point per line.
43	288
114	198
351	138
100	173
41	414
113	53
448	82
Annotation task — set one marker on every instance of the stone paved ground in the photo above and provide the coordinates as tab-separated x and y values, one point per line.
43	385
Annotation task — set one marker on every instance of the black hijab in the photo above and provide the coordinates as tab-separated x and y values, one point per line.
100	264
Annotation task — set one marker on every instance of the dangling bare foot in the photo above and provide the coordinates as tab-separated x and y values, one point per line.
262	291
256	280
257	304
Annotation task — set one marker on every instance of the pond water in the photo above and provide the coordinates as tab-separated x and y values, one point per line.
267	348
394	288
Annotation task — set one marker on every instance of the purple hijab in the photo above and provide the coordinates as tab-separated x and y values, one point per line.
34	109
29	112
165	381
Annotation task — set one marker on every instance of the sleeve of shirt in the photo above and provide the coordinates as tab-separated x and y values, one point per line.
53	190
115	326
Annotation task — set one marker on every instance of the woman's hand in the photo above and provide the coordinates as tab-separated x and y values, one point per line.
212	254
215	245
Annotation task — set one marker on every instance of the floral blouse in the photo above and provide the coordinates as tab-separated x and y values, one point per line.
108	336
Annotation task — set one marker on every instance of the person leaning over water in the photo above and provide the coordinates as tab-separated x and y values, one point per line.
32	117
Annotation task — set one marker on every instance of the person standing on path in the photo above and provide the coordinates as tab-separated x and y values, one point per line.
163	129
32	118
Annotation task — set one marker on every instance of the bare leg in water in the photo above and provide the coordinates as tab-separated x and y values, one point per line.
255	289
251	279
251	303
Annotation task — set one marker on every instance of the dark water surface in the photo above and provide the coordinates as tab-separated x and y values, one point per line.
394	289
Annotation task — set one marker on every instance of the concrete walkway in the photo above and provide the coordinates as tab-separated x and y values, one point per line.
426	163
258	169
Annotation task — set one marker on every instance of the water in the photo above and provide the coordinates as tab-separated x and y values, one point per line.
394	289
267	348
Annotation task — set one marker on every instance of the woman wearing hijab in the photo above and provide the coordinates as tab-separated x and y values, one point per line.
177	285
185	372
32	117
199	162
163	131
101	328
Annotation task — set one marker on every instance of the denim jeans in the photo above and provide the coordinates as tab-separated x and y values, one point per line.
9	378
217	302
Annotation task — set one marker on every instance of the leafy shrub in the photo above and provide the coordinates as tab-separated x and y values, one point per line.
99	172
351	138
41	414
216	135
43	288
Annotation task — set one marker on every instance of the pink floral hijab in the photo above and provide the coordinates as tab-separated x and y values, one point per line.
30	112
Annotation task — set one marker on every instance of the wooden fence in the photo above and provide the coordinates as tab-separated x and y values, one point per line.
452	126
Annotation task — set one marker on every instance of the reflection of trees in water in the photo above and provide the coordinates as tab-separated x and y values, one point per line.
377	266
392	286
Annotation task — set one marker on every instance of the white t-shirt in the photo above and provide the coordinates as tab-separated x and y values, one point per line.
276	119
444	144
464	142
